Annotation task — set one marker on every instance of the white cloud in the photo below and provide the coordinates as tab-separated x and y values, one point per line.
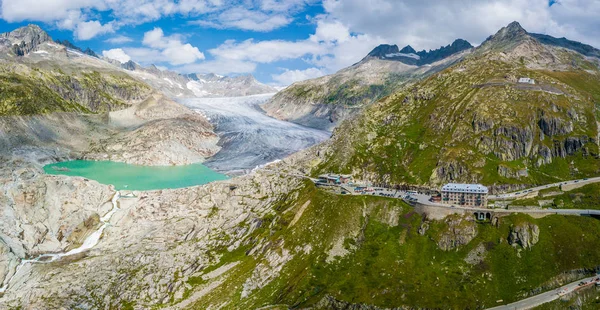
117	54
291	76
120	39
243	18
428	24
45	11
283	5
219	66
90	29
330	31
257	15
266	51
331	48
170	48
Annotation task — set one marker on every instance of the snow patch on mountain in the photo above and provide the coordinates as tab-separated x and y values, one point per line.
411	55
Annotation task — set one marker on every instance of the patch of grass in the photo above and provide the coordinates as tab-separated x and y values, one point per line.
391	265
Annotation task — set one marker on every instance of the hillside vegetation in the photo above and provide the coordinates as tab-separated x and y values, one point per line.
28	90
475	123
380	252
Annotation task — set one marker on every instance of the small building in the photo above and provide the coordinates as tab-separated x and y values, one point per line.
335	178
526	80
468	195
345	178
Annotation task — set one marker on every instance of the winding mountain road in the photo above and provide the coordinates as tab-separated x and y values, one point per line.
548	296
527	191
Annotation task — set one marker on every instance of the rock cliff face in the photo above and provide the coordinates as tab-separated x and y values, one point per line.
44	214
458	232
23	40
525	235
409	56
474	122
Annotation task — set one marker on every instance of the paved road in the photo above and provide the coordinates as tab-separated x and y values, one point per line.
549	296
539	188
424	199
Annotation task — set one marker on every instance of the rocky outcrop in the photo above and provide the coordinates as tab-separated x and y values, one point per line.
423	228
158	241
44	214
525	235
23	40
410	56
329	302
458	231
175	141
553	126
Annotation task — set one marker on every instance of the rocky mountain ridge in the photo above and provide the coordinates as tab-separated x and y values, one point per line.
477	122
326	101
272	240
209	85
105	107
409	56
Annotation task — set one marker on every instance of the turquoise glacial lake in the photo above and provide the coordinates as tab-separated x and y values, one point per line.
134	177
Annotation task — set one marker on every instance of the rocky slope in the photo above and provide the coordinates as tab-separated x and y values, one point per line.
475	122
324	102
409	56
267	240
59	98
273	240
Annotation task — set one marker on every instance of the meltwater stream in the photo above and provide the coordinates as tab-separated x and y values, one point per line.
250	138
89	242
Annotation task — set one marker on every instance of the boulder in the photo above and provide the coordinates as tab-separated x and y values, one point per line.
525	235
458	231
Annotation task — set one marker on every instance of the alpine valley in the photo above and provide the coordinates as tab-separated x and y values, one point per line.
516	113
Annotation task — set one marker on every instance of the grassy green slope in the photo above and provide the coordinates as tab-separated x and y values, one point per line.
473	123
28	91
388	263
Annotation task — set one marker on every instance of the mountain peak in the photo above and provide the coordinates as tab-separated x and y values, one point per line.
408	55
408	50
507	38
461	44
515	27
25	39
383	49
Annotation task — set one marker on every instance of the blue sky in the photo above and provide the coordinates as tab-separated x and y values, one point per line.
282	41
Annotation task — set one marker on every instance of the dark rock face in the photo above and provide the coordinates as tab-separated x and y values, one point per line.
459	231
130	65
410	56
72	46
432	56
584	49
382	50
512	142
552	126
525	235
408	50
